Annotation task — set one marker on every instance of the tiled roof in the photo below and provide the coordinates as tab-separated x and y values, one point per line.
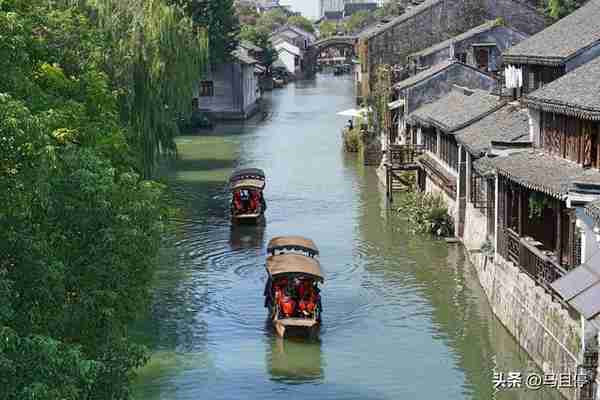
244	58
489	25
593	210
560	41
249	45
576	93
508	124
401	18
546	173
456	110
421	76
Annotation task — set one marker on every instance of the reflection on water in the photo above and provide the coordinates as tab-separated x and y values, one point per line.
404	316
294	360
243	236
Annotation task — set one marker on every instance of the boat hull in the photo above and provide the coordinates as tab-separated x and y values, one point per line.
296	327
248	218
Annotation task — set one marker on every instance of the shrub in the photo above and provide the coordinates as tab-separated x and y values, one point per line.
426	213
351	139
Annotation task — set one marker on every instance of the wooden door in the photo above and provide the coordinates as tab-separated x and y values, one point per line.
482	58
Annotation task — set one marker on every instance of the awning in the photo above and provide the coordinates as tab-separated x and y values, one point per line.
353	112
580	288
396	104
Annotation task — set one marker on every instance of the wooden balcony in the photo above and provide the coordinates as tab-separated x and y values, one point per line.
540	264
403	157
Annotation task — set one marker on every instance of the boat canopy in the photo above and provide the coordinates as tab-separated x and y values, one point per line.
293	243
247	173
248	183
294	264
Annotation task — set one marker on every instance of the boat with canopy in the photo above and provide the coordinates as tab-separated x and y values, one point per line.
292	292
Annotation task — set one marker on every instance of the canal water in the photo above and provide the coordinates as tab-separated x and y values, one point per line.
403	316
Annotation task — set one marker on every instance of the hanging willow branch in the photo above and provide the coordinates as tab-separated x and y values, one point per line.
156	58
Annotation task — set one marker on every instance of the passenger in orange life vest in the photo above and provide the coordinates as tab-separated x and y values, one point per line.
254	200
287	305
237	201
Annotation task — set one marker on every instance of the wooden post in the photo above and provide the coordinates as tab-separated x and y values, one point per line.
520	213
559	247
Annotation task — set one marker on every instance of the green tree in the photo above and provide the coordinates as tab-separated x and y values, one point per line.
327	29
272	20
81	228
561	8
221	21
260	37
301	22
390	8
357	21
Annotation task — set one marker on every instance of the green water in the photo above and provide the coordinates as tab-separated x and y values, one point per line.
404	317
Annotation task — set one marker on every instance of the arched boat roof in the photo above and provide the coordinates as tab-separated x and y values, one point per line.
294	264
247	173
247	183
292	242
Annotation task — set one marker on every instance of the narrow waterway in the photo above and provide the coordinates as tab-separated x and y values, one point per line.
404	317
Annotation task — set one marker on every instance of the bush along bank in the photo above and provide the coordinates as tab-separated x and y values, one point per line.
426	213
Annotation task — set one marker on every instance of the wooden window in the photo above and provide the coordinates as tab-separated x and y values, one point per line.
449	151
429	139
207	89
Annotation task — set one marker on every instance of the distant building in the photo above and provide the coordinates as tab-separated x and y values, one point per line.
230	91
351	8
311	9
290	55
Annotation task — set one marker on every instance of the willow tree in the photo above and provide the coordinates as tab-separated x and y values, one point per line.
155	58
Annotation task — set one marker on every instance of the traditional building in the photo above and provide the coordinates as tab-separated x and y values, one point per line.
230	91
542	193
442	167
481	47
503	131
290	56
428	86
294	35
434	21
557	50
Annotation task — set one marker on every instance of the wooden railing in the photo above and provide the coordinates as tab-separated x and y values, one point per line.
401	155
540	265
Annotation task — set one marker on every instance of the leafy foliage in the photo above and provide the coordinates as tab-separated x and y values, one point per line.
301	22
558	9
81	228
426	213
327	29
220	20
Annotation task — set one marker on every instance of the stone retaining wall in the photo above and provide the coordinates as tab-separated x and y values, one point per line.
549	334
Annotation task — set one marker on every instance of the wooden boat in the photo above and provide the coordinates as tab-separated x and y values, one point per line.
248	203
292	292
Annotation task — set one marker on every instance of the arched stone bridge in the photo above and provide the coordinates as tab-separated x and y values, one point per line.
335	41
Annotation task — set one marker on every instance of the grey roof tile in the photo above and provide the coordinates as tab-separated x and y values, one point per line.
561	40
425	74
576	93
487	26
545	173
507	124
456	110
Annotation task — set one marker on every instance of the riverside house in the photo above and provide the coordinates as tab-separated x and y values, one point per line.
230	91
546	200
557	50
428	86
442	166
481	47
